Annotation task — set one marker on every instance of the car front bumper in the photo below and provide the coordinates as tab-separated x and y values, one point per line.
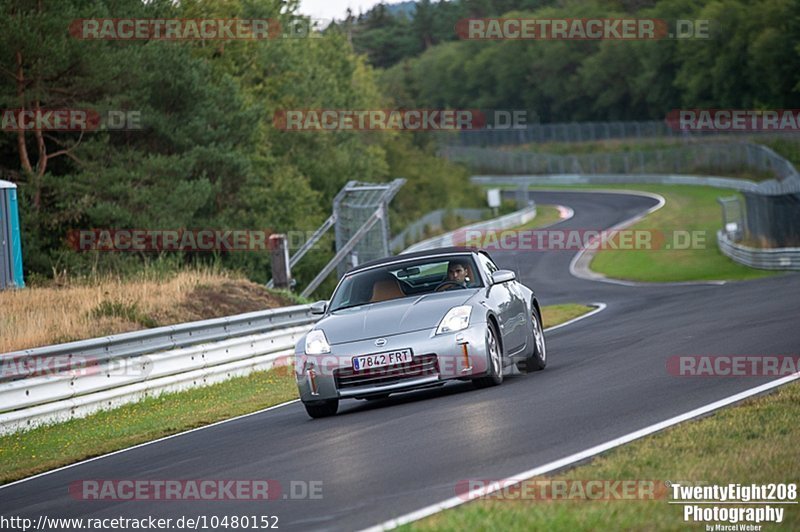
436	358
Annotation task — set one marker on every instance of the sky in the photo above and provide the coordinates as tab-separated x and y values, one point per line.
328	9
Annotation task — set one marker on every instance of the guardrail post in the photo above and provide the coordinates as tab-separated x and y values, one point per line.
281	272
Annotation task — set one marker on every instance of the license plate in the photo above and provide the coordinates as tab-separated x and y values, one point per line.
379	360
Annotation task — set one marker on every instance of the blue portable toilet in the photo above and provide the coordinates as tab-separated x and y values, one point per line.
10	239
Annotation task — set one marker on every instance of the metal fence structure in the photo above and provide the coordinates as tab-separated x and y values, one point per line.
785	258
360	220
712	158
561	132
361	227
11	274
772	214
525	181
359	206
570	132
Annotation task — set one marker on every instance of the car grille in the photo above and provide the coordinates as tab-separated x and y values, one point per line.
421	366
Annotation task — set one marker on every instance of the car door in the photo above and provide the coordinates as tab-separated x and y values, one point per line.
506	298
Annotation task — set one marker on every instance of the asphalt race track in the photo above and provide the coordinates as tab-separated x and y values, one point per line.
606	377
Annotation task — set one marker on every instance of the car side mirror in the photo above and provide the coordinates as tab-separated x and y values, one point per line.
503	276
319	307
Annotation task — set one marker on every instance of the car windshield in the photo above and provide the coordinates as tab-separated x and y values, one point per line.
409	278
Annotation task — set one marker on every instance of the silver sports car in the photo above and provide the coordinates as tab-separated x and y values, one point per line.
414	321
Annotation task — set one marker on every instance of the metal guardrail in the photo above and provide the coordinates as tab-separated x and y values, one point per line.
75	355
763	259
434	219
504	222
613	179
59	382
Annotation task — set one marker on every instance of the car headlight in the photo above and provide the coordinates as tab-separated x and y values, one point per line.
456	319
316	343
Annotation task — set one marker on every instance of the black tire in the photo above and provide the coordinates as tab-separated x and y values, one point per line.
322	409
494	374
537	360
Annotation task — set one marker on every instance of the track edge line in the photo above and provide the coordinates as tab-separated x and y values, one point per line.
580	456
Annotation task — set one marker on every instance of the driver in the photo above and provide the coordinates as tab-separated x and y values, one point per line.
458	272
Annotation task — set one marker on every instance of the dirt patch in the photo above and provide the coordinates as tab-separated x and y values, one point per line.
83	309
226	299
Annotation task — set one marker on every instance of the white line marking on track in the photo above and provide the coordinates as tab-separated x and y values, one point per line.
577	457
68	466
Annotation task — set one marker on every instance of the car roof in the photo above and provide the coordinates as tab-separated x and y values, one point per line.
417	255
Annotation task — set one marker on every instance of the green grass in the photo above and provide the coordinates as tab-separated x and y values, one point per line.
755	442
687	209
30	452
553	315
127	311
545	215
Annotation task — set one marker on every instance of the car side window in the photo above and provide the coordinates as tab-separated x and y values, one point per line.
487	265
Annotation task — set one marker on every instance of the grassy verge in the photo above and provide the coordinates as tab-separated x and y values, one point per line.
545	215
553	315
48	447
688	210
752	443
691	209
90	308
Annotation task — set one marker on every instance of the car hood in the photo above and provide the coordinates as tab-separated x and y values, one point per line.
392	317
